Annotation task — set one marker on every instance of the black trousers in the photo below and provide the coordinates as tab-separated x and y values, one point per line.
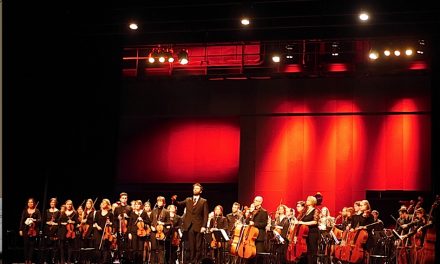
195	243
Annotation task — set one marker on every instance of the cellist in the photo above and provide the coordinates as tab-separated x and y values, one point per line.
310	219
259	220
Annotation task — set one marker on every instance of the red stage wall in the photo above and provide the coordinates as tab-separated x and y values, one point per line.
341	154
182	151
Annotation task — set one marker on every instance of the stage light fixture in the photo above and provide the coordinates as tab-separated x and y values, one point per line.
182	56
133	26
374	55
363	16
409	52
421	46
245	21
387	53
276	58
335	49
397	53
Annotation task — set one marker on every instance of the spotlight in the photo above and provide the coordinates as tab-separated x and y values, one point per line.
276	58
245	21
409	52
151	60
387	53
363	16
397	53
183	56
133	26
373	55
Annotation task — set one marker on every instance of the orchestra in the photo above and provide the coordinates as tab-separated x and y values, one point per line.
140	233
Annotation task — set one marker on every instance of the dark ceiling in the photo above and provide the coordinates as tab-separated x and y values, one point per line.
214	21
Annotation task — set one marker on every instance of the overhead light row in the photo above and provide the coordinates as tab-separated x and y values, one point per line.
162	55
246	21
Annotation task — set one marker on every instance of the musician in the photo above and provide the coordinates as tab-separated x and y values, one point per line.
310	219
216	221
139	226
280	229
67	232
147	209
379	226
50	230
85	237
29	228
233	218
419	226
122	215
403	220
160	227
174	240
103	222
195	221
366	221
259	218
325	225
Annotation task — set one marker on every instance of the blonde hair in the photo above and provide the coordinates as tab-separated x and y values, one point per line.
312	199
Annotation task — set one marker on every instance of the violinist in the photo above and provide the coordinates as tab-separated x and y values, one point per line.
103	232
195	221
122	215
175	231
310	219
159	226
233	218
325	225
30	219
50	230
139	228
147	209
258	218
216	221
67	231
86	229
280	229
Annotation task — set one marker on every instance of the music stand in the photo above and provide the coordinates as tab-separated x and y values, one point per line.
221	236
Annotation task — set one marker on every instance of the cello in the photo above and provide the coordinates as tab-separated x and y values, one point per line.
249	233
427	253
237	236
297	245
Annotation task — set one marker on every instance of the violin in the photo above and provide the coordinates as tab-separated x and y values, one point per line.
32	231
70	231
175	240
159	232
123	224
141	230
108	233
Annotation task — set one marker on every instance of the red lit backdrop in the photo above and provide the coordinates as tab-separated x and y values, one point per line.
182	151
